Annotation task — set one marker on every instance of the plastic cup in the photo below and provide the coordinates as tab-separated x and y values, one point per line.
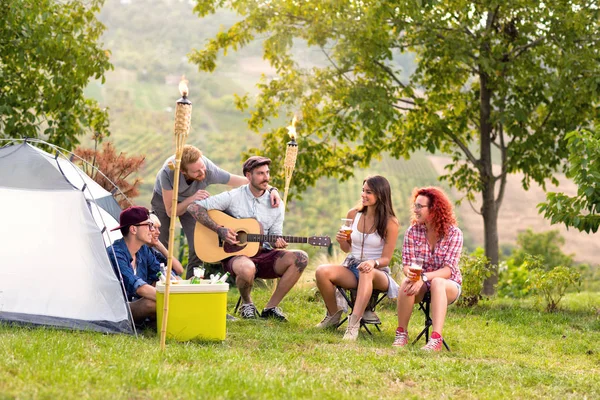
417	270
346	227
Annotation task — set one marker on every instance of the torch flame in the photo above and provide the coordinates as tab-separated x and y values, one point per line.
292	129
183	88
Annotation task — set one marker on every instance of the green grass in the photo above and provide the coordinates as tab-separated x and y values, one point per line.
500	349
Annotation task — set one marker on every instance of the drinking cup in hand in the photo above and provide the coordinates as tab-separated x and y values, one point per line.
346	227
416	269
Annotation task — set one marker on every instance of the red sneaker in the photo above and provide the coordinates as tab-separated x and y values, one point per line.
401	339
433	344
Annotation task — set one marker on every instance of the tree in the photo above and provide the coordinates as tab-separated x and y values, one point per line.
48	54
545	244
116	170
581	212
502	79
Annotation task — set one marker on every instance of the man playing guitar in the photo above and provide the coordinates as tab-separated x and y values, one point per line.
252	201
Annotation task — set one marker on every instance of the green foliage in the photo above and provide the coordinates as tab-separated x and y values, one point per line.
546	244
514	76
48	53
475	269
533	251
553	284
581	212
513	279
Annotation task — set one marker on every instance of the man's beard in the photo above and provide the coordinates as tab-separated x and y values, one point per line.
257	186
199	178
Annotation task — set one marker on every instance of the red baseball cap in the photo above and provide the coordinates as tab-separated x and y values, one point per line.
132	216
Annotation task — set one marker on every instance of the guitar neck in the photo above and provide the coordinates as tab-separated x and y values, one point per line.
273	238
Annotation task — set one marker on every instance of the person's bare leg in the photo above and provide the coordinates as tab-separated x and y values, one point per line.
328	277
142	309
443	291
406	303
244	270
290	267
366	283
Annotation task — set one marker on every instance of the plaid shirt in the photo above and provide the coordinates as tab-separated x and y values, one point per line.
446	254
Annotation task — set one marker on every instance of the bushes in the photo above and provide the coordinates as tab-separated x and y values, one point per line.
552	285
475	268
533	277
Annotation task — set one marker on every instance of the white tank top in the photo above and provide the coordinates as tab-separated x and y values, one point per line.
373	246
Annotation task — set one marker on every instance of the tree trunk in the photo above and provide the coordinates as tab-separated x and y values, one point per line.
488	209
490	227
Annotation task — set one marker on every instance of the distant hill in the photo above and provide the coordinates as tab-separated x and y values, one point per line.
518	213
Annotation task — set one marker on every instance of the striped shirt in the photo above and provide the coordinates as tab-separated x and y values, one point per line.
241	203
446	253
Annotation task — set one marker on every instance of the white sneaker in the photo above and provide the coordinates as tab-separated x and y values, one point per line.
370	317
248	311
330	321
352	329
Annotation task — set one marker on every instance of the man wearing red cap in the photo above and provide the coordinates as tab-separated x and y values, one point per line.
136	261
252	201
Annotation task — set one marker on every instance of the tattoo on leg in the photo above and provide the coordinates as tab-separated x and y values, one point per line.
301	261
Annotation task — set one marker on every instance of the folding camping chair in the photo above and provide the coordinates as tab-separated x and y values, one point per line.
425	306
350	297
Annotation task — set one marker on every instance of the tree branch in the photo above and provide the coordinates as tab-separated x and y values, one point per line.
390	73
402	108
517	51
465	150
335	66
473	207
493	19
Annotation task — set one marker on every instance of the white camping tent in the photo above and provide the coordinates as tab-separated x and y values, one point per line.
54	269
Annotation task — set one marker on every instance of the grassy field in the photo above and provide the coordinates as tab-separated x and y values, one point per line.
500	349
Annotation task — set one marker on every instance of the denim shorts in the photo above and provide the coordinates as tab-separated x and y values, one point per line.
352	263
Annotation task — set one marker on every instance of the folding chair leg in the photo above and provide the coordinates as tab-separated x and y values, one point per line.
237	305
428	323
365	326
425	332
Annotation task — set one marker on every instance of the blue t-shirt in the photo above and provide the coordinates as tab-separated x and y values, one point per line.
147	266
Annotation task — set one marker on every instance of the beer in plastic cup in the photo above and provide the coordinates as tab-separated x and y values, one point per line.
417	270
347	227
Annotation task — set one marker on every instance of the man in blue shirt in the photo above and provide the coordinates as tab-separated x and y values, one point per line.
136	261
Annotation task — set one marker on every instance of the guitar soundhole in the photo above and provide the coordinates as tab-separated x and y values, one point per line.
242	238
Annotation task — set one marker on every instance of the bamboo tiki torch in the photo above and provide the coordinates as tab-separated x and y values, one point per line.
183	116
290	159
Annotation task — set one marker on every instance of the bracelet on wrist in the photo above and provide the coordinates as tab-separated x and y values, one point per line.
272	188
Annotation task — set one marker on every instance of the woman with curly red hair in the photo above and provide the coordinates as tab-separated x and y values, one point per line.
434	242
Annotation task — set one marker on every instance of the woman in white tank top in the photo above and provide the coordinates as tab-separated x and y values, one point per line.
371	245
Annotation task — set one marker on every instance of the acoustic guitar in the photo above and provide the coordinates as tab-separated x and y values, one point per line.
210	248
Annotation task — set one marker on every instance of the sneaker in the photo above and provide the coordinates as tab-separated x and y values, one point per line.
370	317
275	313
401	339
331	321
230	317
433	344
352	329
248	311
